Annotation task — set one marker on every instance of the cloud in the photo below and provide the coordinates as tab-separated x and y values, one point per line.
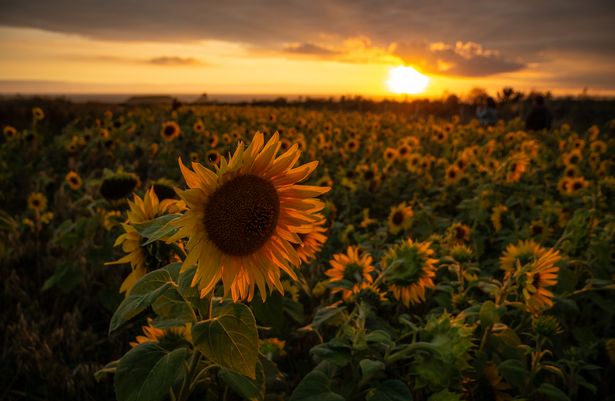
175	61
469	59
308	49
156	61
494	37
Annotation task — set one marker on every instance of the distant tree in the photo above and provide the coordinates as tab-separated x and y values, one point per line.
477	95
509	95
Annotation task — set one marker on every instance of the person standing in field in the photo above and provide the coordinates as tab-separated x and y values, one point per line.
540	116
487	112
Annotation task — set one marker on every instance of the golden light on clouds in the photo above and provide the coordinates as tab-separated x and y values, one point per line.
406	80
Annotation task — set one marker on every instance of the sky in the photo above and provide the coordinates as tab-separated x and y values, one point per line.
317	47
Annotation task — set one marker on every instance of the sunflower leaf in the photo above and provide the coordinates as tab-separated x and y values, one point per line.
247	388
158	228
390	390
142	295
315	386
146	372
230	339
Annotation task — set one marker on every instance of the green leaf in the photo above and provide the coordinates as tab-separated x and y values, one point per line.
340	356
66	277
147	372
514	372
171	305
488	314
144	292
380	337
390	390
554	393
445	395
326	314
245	387
158	228
230	339
314	387
370	369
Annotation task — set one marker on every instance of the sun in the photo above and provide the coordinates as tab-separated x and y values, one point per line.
406	80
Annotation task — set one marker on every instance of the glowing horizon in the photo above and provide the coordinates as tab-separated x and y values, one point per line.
42	62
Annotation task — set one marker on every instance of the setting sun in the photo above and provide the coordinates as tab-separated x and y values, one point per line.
406	80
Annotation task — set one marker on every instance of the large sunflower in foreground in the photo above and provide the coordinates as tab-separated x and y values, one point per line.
243	219
409	270
353	267
140	257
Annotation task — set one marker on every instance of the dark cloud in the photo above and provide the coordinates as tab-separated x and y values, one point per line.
309	49
461	58
516	32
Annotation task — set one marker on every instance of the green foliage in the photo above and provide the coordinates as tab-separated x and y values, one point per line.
230	339
147	372
315	386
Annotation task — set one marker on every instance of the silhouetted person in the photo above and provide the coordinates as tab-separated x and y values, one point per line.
487	112
540	116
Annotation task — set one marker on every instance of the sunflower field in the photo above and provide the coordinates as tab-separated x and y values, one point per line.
261	253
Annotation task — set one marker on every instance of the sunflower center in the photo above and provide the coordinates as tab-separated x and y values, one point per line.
242	214
169	130
398	218
353	272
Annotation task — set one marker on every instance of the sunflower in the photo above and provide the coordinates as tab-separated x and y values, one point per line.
242	219
403	150
213	157
193	156
598	147
400	218
517	167
593	132
9	132
453	174
167	338
104	133
38	113
73	180
573	157
440	136
390	155
535	279
352	146
213	141
523	252
272	348
352	267
141	257
116	186
312	242
198	127
37	202
164	189
538	229
409	269
459	233
576	184
563	184
370	294
369	173
170	130
571	171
